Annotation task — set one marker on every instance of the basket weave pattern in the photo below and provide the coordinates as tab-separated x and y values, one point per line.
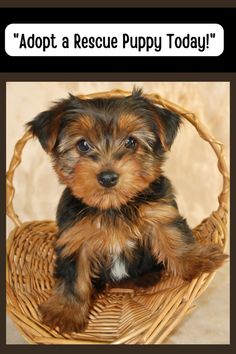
119	315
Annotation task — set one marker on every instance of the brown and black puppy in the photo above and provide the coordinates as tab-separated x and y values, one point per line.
117	217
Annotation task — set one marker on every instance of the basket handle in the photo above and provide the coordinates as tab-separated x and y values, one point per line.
10	189
155	98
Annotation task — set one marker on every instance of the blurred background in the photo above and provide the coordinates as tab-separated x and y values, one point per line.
191	166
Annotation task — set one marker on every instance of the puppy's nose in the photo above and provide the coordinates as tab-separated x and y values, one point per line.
107	178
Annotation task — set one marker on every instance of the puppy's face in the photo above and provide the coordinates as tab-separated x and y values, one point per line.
106	150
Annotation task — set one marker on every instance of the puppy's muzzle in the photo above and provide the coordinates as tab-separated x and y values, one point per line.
108	178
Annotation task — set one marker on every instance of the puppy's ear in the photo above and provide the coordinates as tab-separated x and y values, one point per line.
168	124
167	121
45	126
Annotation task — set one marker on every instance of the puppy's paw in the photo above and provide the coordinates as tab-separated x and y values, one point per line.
69	315
203	259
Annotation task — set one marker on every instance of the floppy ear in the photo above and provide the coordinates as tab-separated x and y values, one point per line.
46	125
168	123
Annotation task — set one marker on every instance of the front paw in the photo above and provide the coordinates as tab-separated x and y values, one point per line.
67	314
203	259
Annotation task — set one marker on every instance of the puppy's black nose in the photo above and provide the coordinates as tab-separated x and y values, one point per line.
108	178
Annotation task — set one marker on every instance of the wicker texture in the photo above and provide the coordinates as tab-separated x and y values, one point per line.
120	315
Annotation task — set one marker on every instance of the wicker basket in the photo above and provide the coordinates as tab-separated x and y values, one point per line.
120	315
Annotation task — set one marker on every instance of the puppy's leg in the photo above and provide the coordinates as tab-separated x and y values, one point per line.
173	243
182	254
69	305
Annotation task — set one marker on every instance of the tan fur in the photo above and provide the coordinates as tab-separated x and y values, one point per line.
158	212
136	171
76	130
99	237
132	179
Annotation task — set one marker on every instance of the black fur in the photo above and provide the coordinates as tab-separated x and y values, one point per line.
65	268
143	263
71	210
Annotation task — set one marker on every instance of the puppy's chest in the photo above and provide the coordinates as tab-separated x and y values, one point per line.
118	262
122	242
119	236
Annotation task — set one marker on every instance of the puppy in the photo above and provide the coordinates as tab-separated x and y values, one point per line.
117	218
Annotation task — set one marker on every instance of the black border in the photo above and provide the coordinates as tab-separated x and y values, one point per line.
225	17
118	3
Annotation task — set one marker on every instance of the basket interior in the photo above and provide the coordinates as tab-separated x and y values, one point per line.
120	315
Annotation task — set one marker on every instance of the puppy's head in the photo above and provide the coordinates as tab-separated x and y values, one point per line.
106	150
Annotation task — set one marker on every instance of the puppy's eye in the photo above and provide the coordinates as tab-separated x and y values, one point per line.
83	145
130	143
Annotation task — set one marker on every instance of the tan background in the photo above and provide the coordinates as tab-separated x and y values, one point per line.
192	167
